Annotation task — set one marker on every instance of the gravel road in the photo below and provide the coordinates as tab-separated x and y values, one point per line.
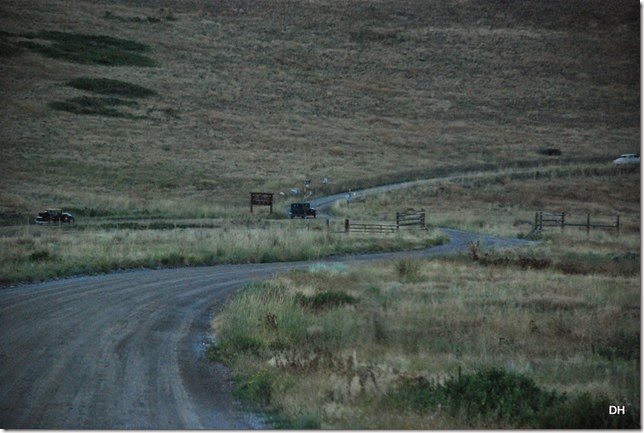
126	350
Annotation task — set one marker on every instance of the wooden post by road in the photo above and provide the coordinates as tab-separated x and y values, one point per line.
587	224
617	225
563	219
346	225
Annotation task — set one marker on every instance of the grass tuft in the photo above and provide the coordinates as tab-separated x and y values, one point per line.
325	300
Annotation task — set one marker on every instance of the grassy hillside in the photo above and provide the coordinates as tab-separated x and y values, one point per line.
207	101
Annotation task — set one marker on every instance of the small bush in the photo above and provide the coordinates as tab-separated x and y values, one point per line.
244	343
106	86
325	300
40	256
213	353
550	151
303	422
258	388
623	345
490	394
173	259
409	270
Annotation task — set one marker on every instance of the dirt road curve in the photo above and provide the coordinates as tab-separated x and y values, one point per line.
125	350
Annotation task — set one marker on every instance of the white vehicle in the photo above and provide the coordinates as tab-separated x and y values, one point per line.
628	158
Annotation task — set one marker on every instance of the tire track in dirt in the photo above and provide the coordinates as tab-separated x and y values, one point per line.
125	350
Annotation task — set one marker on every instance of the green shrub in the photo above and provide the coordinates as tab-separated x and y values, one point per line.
491	394
213	353
623	345
258	388
106	86
408	270
245	344
40	255
302	422
173	259
325	300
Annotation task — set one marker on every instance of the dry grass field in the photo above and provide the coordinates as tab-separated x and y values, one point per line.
261	95
135	112
367	346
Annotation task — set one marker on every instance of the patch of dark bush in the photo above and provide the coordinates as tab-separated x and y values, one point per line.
325	300
550	151
107	86
623	345
40	256
596	264
507	258
257	388
491	394
90	105
89	49
302	422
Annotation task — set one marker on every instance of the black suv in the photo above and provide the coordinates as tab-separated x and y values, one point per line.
54	216
302	210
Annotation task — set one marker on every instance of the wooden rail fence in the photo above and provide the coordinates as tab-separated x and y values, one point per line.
544	219
408	219
411	218
369	227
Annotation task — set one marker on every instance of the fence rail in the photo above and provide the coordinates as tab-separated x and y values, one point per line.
558	219
368	227
411	218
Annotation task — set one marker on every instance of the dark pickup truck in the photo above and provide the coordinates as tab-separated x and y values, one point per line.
302	210
54	216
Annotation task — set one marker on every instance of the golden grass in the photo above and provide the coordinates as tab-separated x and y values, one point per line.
264	95
34	253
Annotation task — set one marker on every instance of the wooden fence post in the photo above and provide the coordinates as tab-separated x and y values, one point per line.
587	224
617	225
563	221
346	225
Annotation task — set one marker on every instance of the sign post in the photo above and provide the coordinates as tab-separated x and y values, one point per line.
261	199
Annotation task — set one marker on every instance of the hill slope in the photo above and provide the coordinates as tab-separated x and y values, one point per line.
261	95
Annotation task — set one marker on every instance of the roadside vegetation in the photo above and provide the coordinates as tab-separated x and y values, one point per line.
433	344
39	253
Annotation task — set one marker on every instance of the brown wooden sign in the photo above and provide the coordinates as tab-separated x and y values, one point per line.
261	199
